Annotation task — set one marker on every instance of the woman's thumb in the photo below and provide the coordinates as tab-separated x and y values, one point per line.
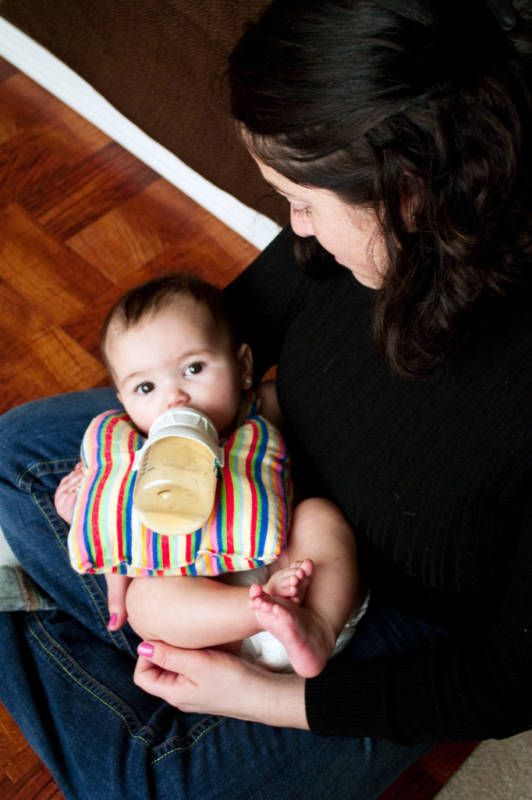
170	658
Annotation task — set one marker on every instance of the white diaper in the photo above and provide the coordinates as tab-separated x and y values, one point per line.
263	648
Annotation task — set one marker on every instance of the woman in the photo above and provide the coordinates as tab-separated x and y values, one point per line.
400	138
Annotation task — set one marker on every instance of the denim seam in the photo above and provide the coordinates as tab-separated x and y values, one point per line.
61	659
38	468
91	587
88	584
53	651
193	740
60	541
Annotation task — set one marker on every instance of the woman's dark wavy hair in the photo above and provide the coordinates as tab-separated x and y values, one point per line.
397	105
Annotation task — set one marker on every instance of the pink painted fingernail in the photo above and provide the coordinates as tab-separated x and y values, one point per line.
112	621
145	649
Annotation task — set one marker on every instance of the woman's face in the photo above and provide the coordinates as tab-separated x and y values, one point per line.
351	234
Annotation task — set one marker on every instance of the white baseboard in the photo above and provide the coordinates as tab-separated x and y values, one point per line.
47	70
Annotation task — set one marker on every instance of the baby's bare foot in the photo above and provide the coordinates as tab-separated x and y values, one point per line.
291	582
297	629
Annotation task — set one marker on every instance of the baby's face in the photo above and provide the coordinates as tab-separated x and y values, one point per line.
173	358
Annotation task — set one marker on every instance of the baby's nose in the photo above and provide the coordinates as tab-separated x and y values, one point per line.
177	397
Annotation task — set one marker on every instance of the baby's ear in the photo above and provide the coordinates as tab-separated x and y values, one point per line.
245	361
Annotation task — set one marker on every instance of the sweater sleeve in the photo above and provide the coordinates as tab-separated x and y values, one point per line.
265	298
467	688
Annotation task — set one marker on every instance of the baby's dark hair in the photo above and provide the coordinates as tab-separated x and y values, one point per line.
159	293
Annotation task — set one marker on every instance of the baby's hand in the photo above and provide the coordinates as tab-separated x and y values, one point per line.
66	493
116	600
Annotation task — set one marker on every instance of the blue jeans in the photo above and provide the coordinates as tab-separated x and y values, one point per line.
67	680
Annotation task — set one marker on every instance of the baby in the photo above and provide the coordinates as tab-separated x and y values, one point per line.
169	343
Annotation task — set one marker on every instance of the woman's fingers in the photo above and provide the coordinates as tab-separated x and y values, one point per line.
192	680
116	600
216	682
169	662
173	674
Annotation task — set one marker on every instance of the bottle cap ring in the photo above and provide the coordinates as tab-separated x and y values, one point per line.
187	423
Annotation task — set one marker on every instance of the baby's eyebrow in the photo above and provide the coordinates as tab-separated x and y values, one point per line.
196	353
132	376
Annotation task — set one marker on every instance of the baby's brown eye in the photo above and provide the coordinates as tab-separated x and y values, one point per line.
194	369
145	388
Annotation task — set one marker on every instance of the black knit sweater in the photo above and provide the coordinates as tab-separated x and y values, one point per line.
435	477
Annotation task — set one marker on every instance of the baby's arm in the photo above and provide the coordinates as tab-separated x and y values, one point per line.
64	500
66	493
269	404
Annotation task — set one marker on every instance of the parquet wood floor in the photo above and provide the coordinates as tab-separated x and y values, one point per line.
83	220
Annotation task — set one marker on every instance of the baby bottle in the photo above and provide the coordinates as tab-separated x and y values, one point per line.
177	472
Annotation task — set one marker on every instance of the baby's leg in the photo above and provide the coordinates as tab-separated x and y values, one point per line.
190	612
308	632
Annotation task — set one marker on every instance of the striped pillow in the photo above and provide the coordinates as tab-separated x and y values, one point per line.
247	527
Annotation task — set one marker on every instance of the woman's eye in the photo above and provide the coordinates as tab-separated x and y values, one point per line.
145	388
194	369
300	210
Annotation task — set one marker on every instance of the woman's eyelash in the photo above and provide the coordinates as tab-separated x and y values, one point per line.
305	210
295	209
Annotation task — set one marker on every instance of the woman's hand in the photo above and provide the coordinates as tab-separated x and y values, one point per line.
216	682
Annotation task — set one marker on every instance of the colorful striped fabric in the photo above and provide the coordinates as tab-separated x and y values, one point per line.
247	528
